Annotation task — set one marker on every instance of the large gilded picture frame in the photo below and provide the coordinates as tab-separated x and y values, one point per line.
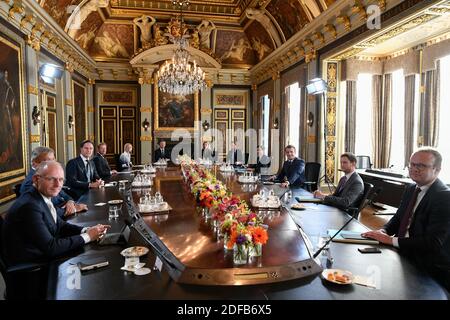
173	112
79	96
12	118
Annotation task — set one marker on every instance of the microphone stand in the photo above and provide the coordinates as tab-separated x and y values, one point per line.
353	211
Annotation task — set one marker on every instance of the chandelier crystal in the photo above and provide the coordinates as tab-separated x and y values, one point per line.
179	76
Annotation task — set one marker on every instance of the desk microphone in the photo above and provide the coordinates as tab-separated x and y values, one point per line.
353	213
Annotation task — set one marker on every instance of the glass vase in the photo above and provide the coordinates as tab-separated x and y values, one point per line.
226	238
256	250
240	254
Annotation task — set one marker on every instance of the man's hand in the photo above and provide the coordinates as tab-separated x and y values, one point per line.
285	184
379	235
70	208
271	178
81	207
319	195
96	184
97	231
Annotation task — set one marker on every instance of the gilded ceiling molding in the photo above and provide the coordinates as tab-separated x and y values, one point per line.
360	10
319	37
345	21
33	42
331	29
27	19
15	9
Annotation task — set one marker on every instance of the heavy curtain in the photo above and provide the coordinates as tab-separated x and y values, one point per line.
350	117
429	107
409	116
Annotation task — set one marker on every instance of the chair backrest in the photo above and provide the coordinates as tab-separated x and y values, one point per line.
312	171
2	263
364	198
117	161
363	162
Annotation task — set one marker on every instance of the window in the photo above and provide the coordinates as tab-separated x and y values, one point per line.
397	158
363	129
265	122
444	116
293	98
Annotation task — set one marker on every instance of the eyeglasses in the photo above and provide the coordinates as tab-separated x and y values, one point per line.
419	166
53	179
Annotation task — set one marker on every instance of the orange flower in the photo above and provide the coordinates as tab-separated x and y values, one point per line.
260	235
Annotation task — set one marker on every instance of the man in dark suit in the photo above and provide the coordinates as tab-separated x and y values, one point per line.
101	164
262	161
207	153
350	188
235	156
62	200
162	152
293	171
33	232
421	226
81	173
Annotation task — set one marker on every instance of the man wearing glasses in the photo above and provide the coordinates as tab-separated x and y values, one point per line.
33	231
421	226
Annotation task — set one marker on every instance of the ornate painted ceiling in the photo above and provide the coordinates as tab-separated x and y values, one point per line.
236	33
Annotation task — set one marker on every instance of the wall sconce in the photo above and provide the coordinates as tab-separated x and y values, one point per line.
36	115
275	123
310	120
70	122
205	125
145	124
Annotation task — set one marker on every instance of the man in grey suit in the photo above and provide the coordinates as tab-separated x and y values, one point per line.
350	188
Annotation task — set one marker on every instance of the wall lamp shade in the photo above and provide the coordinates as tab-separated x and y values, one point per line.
205	125
70	122
275	123
316	86
51	71
36	115
145	124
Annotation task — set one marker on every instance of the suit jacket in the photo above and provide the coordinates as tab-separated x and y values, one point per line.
262	163
31	235
294	172
58	201
209	154
76	178
102	166
428	243
347	196
158	154
235	156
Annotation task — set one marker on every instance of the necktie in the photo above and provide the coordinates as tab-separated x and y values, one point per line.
408	214
341	184
162	153
52	209
88	171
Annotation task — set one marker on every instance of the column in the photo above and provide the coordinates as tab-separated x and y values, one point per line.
34	126
146	114
90	111
71	150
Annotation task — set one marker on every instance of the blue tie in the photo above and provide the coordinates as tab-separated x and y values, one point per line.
88	171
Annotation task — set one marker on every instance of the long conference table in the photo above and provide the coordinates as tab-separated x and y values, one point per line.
185	233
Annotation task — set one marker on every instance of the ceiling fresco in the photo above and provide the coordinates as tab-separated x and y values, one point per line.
238	33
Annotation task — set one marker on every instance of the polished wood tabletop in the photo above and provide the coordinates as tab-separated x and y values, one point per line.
396	276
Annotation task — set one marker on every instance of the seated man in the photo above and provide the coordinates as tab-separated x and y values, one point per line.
293	171
81	173
162	152
207	153
262	161
62	200
235	156
350	188
33	232
101	164
125	157
421	226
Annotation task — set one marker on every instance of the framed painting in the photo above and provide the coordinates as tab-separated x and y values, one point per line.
226	98
12	125
80	110
117	96
175	111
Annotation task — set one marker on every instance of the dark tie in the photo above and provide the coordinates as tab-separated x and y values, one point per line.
88	171
408	214
162	153
341	184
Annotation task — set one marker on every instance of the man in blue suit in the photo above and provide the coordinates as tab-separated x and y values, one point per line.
62	200
33	232
420	229
81	174
293	171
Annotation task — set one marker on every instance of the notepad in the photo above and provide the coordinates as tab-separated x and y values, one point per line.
350	237
308	199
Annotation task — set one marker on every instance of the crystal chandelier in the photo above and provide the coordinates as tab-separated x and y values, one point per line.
178	76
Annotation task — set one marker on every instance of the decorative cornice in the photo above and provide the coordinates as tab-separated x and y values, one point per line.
32	90
35	138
